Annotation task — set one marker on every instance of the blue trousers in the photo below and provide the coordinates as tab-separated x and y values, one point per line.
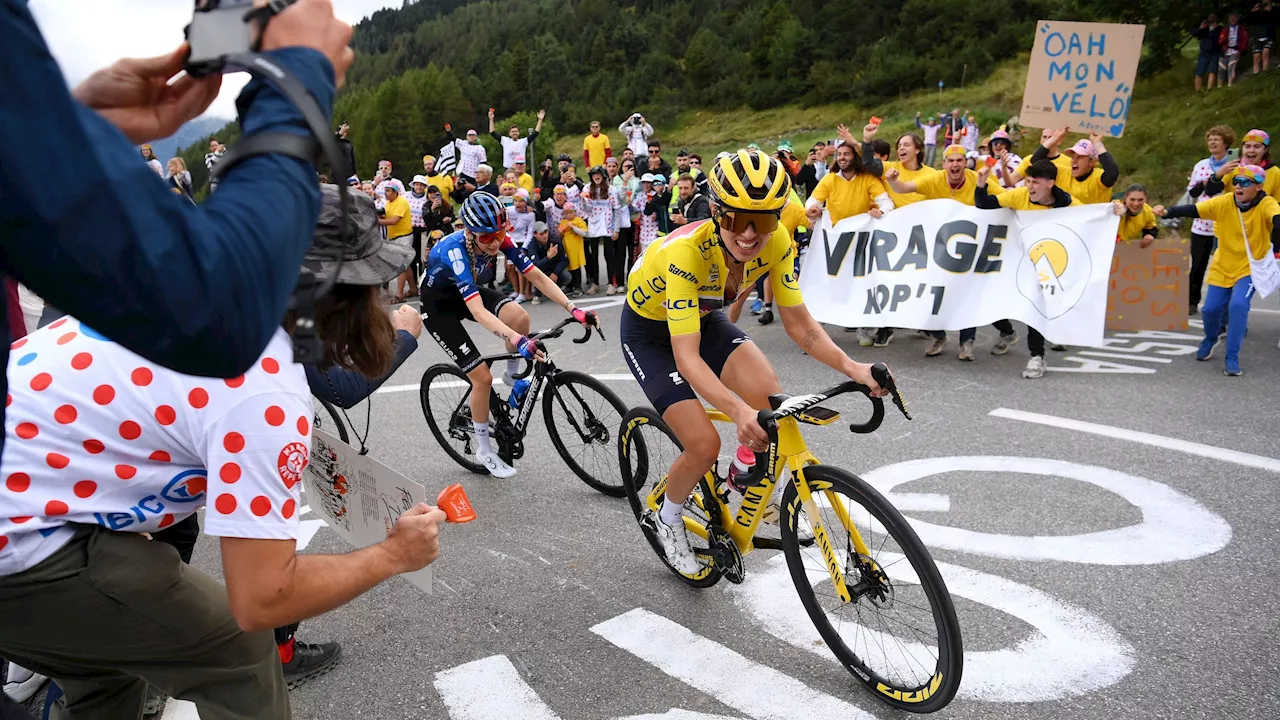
1232	300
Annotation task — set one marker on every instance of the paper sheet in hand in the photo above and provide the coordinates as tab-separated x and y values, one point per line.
358	496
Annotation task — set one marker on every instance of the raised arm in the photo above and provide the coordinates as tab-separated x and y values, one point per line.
200	289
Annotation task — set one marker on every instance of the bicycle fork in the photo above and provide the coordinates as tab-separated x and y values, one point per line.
823	539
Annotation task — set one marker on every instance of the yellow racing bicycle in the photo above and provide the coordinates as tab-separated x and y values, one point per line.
865	579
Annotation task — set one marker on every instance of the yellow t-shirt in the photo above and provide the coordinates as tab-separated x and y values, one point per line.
573	242
1271	185
905	175
793	217
443	182
1020	199
1131	226
595	147
1062	162
683	277
1088	191
846	198
526	181
1229	263
937	186
399	207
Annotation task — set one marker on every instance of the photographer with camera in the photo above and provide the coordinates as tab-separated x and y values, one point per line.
200	289
637	132
104	610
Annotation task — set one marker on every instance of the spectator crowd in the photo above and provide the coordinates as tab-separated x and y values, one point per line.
585	225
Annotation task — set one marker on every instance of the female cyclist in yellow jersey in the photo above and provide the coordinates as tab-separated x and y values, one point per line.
679	344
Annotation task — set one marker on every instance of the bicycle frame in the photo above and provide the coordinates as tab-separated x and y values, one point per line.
788	453
542	372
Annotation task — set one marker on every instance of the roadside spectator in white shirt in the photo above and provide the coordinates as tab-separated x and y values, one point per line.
512	143
471	154
637	132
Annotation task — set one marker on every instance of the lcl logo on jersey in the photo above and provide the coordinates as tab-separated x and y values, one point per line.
186	487
1055	271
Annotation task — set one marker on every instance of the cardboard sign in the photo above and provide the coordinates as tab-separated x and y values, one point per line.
359	497
1081	76
1150	287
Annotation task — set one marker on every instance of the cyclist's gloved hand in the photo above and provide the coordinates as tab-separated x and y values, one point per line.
585	317
529	348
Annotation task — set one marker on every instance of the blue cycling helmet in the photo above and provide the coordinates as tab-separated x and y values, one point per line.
483	213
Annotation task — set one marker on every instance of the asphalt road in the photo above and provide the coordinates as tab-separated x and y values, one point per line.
1119	567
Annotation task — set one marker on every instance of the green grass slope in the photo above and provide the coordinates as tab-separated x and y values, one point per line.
1164	136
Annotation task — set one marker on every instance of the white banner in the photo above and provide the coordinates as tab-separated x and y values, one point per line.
942	265
359	497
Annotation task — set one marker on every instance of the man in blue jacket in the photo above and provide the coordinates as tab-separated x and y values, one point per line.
197	289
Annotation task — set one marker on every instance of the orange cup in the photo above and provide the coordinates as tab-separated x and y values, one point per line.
456	505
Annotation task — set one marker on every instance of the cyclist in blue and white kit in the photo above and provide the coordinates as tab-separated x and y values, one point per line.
450	295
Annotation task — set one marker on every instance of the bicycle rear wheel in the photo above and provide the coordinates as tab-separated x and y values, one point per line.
899	635
335	426
445	393
582	415
646	449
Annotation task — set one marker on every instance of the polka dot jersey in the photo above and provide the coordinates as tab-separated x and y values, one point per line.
101	436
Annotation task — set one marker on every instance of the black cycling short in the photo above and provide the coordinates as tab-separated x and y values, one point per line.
445	311
646	348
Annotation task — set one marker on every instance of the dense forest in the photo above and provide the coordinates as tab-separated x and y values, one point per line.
438	61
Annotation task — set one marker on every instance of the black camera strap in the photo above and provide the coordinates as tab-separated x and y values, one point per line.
307	345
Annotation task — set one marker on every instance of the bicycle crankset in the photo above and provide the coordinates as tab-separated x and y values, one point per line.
727	558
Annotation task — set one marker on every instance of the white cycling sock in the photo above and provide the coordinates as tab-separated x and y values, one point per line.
671	511
483	446
513	367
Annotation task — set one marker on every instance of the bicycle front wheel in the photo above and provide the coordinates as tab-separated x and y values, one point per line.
445	393
898	634
582	416
335	426
646	448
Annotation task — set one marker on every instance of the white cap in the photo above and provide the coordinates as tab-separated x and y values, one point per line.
647	177
419	179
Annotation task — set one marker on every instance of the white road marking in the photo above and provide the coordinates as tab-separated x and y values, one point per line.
489	689
1101	367
180	710
1118	356
1162	535
1185	446
1118	347
679	715
591	303
307	530
603	377
753	689
1070	652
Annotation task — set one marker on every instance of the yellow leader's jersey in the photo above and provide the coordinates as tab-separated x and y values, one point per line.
682	278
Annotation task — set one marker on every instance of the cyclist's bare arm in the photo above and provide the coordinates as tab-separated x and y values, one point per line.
813	339
735	310
270	585
705	383
490	322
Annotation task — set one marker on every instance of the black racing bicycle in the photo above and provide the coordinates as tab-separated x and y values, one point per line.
334	424
581	414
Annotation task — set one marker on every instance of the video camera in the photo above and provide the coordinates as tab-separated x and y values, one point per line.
226	37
